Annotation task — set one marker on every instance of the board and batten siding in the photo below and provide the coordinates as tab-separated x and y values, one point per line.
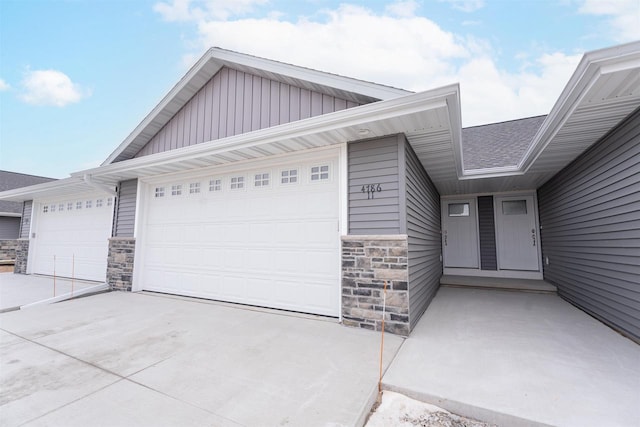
234	102
125	214
375	162
590	229
25	223
423	234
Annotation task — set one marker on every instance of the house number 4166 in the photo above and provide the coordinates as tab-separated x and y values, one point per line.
371	190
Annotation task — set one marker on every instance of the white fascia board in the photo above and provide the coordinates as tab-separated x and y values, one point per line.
455	126
592	66
48	188
173	93
382	110
11	214
215	58
336	81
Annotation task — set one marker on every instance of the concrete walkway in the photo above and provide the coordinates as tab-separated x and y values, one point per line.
18	290
519	359
123	359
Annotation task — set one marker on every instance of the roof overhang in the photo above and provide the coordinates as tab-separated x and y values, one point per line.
214	59
430	115
604	89
54	189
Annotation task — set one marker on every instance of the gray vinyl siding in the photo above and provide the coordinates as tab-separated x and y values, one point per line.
125	214
423	233
9	227
234	102
590	229
487	233
25	224
374	162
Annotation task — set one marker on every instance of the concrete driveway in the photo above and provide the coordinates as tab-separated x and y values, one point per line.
21	290
125	359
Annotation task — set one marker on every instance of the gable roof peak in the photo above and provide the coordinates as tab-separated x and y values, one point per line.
215	59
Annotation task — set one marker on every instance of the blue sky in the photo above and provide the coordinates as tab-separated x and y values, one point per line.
77	76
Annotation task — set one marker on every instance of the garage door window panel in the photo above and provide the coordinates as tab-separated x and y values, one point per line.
237	183
261	179
320	173
289	176
215	184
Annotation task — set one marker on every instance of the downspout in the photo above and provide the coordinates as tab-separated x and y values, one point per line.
105	188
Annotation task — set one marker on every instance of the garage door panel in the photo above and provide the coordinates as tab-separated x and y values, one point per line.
274	246
76	232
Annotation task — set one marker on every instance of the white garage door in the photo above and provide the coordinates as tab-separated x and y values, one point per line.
263	236
76	231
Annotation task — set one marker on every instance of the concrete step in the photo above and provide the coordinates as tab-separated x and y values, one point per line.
525	285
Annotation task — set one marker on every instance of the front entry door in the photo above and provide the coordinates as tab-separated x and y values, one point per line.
516	233
460	233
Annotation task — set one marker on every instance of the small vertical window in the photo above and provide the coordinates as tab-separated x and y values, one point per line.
215	185
45	208
70	206
176	190
237	182
109	201
60	207
89	204
53	208
78	205
159	192
261	180
289	176
194	188
99	203
319	173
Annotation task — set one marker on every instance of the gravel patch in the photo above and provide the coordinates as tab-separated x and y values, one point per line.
398	410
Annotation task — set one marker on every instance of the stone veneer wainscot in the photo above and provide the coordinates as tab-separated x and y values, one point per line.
367	262
120	263
22	255
8	249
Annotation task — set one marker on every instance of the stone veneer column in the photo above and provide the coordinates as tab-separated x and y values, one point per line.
120	263
22	255
367	261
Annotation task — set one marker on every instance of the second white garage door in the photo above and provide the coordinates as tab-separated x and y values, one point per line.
72	236
265	236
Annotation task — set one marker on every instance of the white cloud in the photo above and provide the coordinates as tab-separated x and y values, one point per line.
623	16
194	10
400	49
466	5
4	85
50	87
490	94
403	9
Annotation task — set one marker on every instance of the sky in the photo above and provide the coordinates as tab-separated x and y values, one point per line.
77	76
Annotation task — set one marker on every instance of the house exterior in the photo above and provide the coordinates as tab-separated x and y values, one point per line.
11	212
263	183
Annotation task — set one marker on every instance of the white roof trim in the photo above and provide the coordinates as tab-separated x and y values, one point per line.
215	58
59	187
11	214
379	111
593	66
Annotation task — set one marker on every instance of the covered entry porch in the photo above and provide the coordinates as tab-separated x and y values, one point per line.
491	235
